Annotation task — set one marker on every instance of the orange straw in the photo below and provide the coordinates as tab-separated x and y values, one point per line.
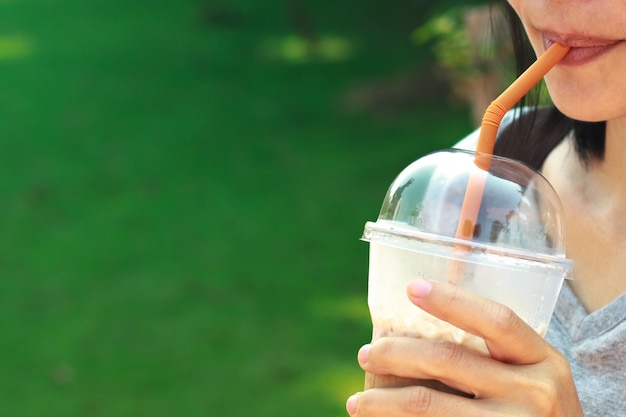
489	129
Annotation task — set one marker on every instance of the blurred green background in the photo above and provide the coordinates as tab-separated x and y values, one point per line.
183	186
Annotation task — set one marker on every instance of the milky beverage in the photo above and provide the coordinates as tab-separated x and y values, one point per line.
397	257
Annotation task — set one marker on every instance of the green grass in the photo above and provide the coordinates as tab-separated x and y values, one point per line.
180	212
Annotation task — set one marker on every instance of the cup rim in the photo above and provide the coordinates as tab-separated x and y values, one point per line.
377	232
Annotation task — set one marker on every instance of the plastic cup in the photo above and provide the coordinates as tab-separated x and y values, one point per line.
516	256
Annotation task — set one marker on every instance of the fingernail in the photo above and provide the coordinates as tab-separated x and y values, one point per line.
419	288
364	353
351	404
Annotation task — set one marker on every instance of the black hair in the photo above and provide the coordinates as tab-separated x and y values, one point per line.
535	132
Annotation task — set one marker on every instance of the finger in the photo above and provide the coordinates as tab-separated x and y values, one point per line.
456	366
415	402
508	338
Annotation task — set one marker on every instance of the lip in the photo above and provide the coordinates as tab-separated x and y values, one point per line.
583	49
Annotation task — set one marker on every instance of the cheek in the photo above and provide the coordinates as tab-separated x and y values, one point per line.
587	101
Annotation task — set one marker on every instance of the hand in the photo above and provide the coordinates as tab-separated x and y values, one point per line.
524	376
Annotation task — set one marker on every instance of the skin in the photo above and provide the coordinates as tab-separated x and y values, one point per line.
525	376
588	91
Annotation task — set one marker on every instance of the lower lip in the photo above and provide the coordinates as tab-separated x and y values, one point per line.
581	56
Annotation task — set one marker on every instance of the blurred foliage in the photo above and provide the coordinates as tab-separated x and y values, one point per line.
453	48
471	42
181	205
12	47
464	43
297	50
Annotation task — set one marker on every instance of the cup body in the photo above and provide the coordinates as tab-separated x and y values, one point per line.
529	285
491	225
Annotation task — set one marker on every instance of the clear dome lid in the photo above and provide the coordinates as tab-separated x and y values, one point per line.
519	209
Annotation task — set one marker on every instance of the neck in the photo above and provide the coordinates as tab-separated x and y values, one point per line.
614	162
594	199
604	179
594	203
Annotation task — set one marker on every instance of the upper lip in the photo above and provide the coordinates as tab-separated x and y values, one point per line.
578	40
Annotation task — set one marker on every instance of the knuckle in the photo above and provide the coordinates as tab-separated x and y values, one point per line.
448	353
456	296
561	366
503	318
419	401
544	396
546	392
382	350
385	346
544	387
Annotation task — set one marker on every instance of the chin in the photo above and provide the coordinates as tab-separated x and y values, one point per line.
586	104
584	109
579	113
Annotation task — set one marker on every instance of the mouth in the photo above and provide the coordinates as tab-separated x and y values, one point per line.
583	49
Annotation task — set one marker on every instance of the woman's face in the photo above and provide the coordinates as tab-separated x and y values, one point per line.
590	83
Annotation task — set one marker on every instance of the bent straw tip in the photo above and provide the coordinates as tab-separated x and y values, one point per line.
503	103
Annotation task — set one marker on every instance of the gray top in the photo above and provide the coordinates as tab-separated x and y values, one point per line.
594	344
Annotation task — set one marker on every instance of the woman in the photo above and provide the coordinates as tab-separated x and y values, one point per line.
580	368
